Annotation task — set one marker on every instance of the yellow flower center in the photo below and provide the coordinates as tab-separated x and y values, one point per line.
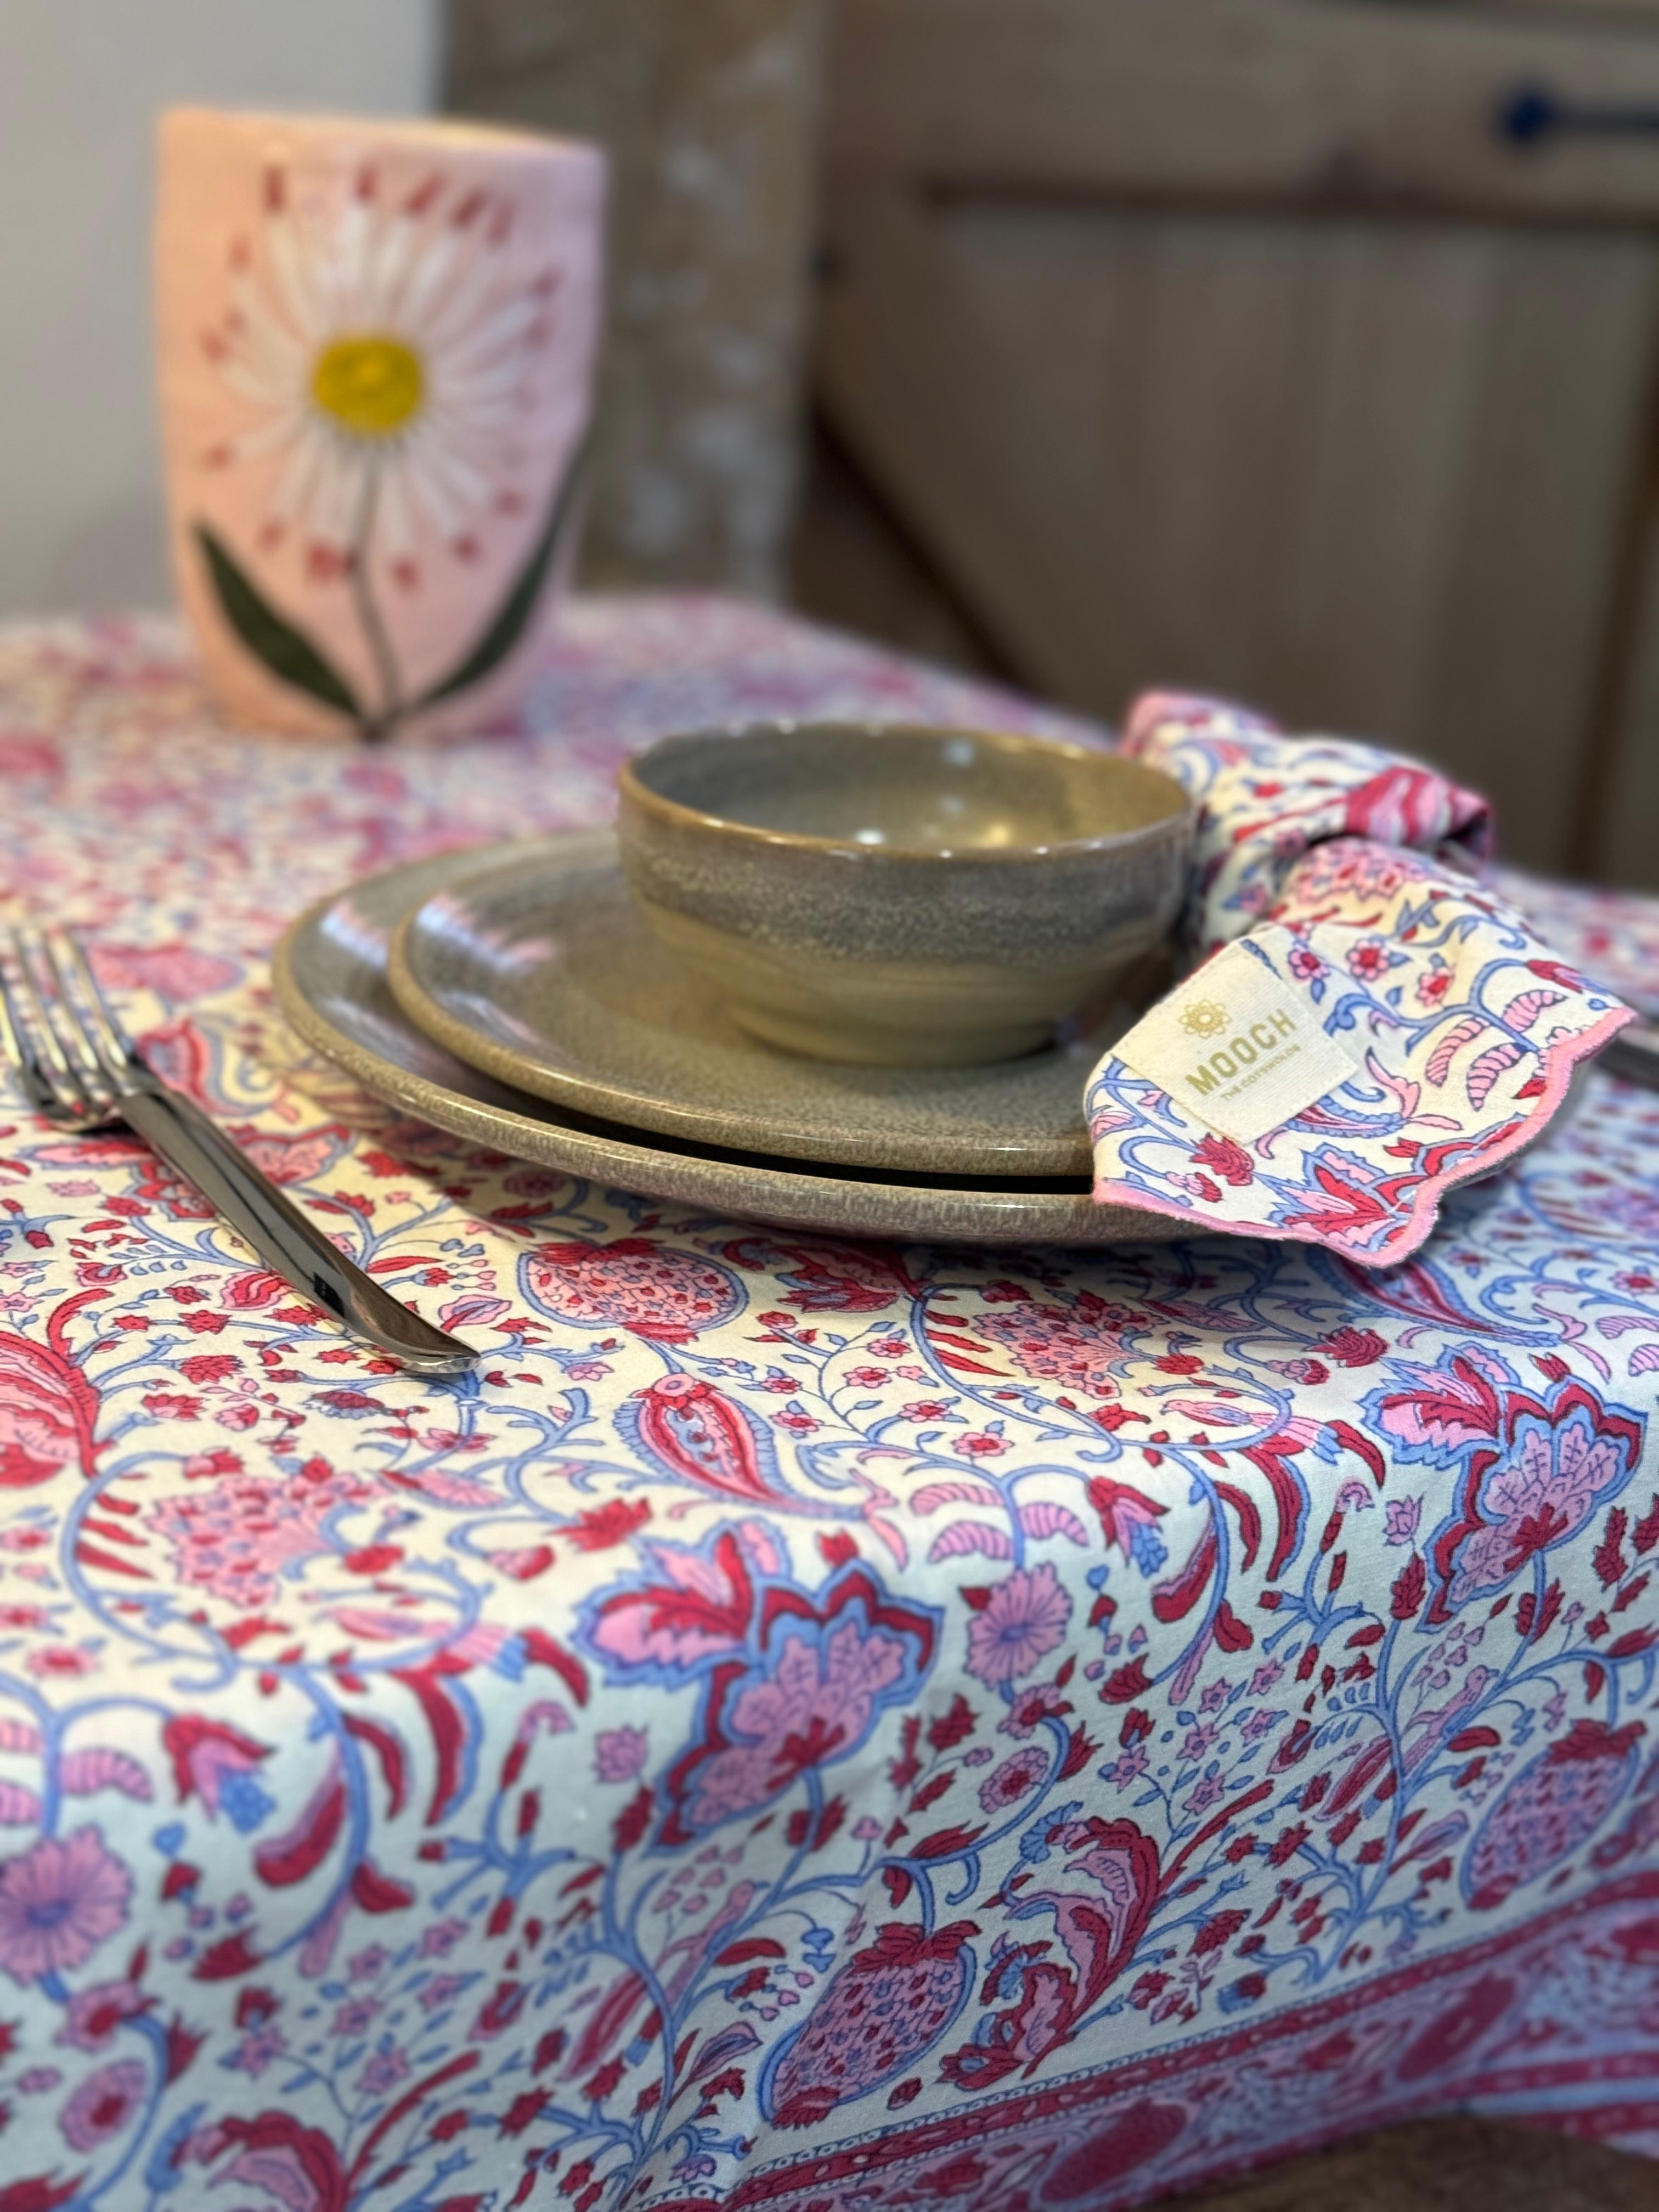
371	385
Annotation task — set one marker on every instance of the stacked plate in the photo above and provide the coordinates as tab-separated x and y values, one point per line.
511	995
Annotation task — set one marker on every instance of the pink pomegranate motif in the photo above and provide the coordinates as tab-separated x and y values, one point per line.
1549	1809
1076	1345
884	2009
650	1289
1639	1832
1046	1343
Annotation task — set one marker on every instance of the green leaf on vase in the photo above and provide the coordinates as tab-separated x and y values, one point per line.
513	616
288	653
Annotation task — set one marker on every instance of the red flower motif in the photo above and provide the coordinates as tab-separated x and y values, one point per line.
209	1366
1223	1156
172	1406
1541	1470
795	1679
254	2006
1098	1927
1352	1347
613	1522
274	2153
205	1754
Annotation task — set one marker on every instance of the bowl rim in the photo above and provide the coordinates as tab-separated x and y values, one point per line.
1182	816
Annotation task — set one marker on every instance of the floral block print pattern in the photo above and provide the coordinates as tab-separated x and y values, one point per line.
1463	1026
805	1725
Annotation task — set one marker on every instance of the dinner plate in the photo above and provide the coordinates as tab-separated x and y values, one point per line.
331	982
540	971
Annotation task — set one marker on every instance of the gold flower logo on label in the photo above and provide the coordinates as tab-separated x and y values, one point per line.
1204	1019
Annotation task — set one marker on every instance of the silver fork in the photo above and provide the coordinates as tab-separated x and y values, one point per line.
79	1069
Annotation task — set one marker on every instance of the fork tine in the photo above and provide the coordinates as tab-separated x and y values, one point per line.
40	1038
41	1052
19	1047
62	1022
109	1042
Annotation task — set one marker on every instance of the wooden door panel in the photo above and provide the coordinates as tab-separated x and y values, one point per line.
1251	512
1370	475
1561	426
1626	827
1369	464
1287	101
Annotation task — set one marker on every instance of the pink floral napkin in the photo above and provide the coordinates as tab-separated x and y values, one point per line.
1366	1023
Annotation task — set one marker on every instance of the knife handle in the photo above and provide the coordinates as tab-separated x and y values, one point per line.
268	1220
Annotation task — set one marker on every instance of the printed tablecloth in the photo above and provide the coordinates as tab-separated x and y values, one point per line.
808	1726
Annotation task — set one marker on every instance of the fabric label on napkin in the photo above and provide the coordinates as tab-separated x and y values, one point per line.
1237	1045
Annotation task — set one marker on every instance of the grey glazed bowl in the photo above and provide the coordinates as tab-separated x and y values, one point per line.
902	895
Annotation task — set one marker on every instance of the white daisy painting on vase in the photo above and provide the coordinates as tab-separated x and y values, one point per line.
376	389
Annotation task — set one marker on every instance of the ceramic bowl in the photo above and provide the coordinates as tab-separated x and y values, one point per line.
900	895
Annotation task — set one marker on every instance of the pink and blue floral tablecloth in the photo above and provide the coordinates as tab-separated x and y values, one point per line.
814	1726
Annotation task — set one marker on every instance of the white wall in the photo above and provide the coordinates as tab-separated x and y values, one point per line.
81	82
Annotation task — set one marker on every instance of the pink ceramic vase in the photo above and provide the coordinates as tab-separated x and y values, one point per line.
376	354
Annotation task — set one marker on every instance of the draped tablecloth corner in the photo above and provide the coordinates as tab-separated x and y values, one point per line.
808	1726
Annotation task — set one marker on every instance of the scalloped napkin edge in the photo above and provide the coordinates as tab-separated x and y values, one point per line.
1368	1025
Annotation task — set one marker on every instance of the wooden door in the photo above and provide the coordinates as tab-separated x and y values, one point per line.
1254	345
